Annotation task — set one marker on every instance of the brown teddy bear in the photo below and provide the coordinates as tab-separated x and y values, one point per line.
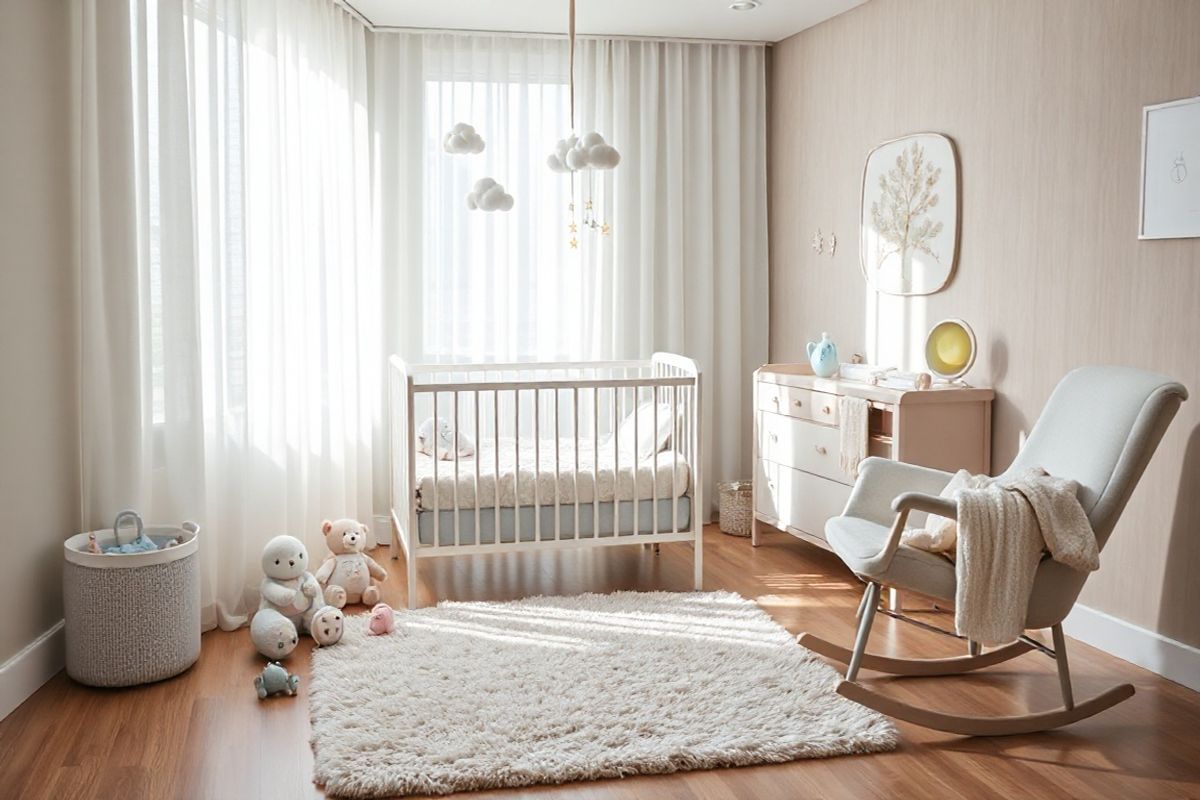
348	574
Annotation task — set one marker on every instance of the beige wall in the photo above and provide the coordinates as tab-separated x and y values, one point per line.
1043	99
38	469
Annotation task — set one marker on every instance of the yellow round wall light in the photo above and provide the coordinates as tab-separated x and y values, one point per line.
950	349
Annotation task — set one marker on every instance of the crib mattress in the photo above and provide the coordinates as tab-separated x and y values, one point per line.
679	509
513	477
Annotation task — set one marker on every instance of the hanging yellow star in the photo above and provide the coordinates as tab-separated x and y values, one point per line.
605	229
573	227
588	206
574	243
570	206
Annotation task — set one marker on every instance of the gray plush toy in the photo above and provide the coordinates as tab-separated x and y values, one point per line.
275	680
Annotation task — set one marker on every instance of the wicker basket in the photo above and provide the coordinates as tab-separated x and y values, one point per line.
735	508
131	618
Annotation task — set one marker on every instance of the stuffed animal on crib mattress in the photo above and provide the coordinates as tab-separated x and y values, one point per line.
437	437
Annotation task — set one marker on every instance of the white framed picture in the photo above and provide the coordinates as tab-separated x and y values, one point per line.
1170	197
909	215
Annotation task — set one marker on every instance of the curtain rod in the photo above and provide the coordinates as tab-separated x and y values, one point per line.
371	26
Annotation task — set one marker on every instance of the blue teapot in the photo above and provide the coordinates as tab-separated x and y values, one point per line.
823	357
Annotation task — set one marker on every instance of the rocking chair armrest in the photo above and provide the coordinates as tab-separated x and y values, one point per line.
903	504
929	503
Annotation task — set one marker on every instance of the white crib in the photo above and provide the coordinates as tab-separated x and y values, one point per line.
549	470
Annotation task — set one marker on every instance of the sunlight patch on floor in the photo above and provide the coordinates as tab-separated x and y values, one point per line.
797	581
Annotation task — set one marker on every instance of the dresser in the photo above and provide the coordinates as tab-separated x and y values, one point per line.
798	479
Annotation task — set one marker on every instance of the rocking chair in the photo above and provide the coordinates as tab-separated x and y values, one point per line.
1100	428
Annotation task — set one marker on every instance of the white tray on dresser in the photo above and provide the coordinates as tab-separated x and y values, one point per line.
798	481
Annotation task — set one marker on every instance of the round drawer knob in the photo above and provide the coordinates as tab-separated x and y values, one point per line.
798	404
819	449
775	400
825	410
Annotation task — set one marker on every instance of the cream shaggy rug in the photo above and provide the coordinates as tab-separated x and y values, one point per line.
554	689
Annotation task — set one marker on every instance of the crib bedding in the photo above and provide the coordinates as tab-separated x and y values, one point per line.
602	477
676	510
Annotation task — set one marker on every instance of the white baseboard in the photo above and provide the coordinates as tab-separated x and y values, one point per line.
24	673
1173	660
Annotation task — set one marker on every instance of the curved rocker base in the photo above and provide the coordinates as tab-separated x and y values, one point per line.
984	726
928	667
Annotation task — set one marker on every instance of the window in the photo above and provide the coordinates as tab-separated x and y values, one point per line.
498	285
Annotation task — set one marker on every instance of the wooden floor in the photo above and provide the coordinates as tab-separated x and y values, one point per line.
205	734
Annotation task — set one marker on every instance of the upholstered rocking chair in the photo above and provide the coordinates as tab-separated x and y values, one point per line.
1100	428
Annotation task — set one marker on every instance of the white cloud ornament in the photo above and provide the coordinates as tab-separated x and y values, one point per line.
590	152
557	160
489	196
463	140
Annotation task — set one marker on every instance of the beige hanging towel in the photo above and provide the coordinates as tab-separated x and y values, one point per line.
852	412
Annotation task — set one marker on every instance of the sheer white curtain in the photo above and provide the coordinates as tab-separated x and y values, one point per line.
265	213
230	334
682	263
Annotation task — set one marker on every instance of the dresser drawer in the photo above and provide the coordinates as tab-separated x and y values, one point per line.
801	444
799	403
797	499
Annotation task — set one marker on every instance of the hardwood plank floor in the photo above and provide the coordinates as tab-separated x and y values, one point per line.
206	735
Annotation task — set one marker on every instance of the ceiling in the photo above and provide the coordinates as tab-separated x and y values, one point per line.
683	19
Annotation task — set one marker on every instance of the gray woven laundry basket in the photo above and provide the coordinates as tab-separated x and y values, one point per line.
132	618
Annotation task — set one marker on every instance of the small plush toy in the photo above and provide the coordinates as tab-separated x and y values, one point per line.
141	544
383	620
275	680
436	436
288	587
273	634
326	626
347	573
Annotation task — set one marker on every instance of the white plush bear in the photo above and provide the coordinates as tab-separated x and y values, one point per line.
435	438
289	587
347	572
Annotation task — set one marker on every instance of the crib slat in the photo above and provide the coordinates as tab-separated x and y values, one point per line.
616	467
654	455
496	466
537	465
516	466
595	463
457	539
575	433
675	457
637	467
557	472
436	489
475	460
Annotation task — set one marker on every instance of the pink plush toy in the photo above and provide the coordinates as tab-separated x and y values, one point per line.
383	620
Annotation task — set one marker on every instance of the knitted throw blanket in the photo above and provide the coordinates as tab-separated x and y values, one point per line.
1003	529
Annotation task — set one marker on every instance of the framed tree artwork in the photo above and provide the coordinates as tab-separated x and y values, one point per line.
910	207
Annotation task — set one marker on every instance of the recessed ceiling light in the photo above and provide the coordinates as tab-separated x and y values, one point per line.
744	5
